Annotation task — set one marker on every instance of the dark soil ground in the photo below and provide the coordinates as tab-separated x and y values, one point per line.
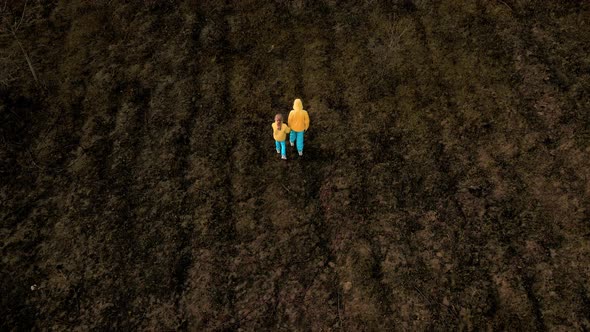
445	183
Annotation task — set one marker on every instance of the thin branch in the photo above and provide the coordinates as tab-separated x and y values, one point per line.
33	160
54	123
22	16
394	37
450	309
403	32
505	4
26	57
285	187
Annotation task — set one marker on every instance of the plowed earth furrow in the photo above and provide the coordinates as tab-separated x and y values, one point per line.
208	298
443	184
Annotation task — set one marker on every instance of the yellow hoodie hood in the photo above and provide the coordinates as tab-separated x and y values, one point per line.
297	105
298	117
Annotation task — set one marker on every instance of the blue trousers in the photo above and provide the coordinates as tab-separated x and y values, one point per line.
297	136
281	146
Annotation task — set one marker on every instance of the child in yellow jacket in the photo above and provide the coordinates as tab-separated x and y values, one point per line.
280	131
299	122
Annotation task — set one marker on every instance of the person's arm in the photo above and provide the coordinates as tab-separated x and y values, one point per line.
287	129
290	117
306	120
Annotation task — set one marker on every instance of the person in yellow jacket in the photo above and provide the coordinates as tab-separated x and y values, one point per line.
299	123
280	131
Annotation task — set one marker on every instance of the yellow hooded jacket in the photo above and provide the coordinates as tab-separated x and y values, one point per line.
298	117
280	135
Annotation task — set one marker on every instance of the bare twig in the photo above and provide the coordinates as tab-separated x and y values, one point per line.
33	160
424	296
395	35
285	187
402	33
26	56
21	17
450	309
505	4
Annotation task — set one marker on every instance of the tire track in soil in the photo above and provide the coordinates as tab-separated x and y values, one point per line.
356	237
124	194
370	235
370	227
180	134
252	177
466	253
454	208
321	82
542	109
226	219
284	287
167	232
143	171
138	174
305	173
267	280
126	151
317	77
187	148
98	157
539	108
208	295
318	82
446	181
128	171
545	102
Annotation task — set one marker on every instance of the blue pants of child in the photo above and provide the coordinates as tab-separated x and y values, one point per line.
297	136
282	147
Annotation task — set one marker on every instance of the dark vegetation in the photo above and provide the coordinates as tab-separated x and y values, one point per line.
445	183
